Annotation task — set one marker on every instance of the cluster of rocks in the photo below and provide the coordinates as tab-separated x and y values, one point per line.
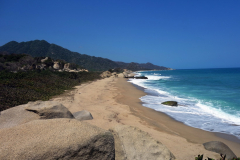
61	66
48	130
24	62
107	74
125	74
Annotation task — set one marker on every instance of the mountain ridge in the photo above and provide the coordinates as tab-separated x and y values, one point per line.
41	48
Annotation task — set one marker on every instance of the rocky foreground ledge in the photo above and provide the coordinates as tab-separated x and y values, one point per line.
48	130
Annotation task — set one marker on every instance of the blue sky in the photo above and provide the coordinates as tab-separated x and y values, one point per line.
180	34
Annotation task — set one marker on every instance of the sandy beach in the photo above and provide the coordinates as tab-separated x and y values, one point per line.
114	101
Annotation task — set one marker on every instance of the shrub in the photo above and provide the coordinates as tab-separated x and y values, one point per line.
22	87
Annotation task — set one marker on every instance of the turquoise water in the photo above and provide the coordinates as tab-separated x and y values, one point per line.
208	99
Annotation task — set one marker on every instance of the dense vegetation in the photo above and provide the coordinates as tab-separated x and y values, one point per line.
15	62
22	87
41	48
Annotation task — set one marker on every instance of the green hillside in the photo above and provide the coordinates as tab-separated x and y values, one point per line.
41	48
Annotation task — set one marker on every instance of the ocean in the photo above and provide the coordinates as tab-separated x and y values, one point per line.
208	99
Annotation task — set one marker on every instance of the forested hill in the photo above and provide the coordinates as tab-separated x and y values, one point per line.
41	48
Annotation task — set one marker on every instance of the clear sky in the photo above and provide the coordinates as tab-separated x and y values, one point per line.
179	34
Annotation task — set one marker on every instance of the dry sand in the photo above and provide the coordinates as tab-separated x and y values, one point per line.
114	101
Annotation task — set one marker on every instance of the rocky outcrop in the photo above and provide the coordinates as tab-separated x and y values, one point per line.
132	143
16	116
49	109
131	75
83	115
125	74
106	74
114	74
43	60
33	111
120	75
141	77
41	66
24	62
66	66
170	103
56	139
56	65
219	147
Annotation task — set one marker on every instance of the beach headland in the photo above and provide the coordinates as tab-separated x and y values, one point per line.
114	101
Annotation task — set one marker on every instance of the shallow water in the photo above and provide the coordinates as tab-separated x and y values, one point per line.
208	99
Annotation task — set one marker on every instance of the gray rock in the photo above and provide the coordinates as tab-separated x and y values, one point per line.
131	75
49	109
56	139
121	75
83	115
66	66
16	116
43	60
132	143
125	74
219	147
106	74
170	103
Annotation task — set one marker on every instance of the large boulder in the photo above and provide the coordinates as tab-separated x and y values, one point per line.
132	143
49	109
114	74
66	66
121	75
33	111
16	116
131	75
83	115
43	60
125	74
219	147
141	77
170	103
56	65
106	74
56	139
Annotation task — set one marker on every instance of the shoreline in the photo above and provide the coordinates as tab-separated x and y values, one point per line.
157	120
114	101
226	136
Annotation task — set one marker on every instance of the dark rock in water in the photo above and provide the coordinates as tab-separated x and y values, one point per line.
83	115
142	77
170	103
49	109
130	77
219	147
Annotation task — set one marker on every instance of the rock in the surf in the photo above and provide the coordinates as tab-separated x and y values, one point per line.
170	103
219	147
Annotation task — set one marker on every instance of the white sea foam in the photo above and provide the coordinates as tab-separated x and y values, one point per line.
192	112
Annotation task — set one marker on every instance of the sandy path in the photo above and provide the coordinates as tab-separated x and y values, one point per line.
114	101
